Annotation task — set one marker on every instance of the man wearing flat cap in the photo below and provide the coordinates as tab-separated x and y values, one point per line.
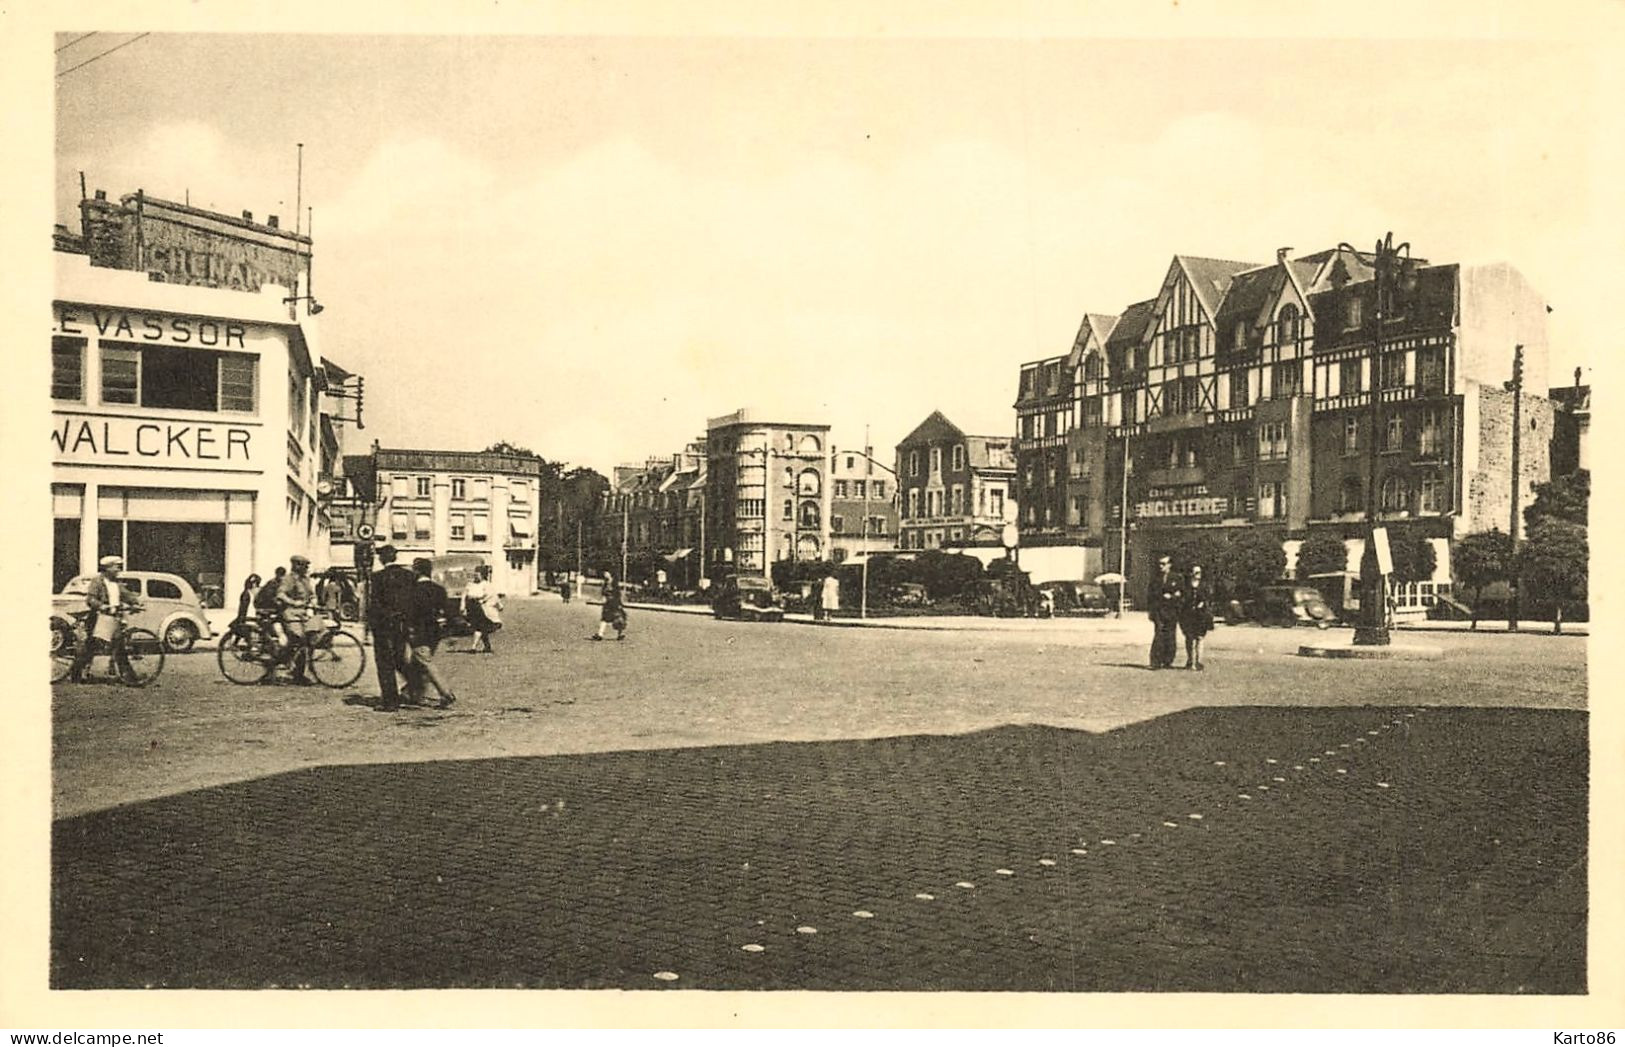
388	604
105	596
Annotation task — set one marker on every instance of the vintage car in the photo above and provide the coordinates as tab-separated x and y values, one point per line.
747	599
1076	598
1292	605
170	607
909	594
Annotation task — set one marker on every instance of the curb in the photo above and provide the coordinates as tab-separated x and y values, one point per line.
973	624
1392	652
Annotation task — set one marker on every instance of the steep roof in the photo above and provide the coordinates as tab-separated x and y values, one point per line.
1102	325
935	426
1210	278
1130	327
1249	293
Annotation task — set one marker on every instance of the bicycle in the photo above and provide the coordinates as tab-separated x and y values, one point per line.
136	654
248	654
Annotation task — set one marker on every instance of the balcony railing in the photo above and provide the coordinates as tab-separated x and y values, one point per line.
1396	394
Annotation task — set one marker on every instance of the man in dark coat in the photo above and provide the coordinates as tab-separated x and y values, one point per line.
1164	602
388	605
423	636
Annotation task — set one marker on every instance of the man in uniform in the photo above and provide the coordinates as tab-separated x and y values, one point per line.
388	605
1164	602
296	599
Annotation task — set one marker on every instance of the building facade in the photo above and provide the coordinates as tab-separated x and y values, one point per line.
432	503
767	495
953	488
186	429
1240	397
862	505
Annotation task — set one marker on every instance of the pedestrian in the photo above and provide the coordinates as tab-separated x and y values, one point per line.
613	612
564	590
423	625
477	608
1163	604
830	596
245	606
106	598
388	605
1195	617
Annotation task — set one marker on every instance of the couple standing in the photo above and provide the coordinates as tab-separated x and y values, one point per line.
1184	604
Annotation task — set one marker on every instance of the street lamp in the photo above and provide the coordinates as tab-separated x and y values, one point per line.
1372	628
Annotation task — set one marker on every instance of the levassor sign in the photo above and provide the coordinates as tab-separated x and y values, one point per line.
1182	501
100	439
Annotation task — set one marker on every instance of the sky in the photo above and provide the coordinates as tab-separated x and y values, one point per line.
589	245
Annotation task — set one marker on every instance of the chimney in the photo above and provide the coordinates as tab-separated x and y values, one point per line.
101	194
248	216
1281	255
271	221
1577	378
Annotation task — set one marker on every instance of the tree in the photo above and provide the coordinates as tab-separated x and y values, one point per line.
504	447
1321	553
1252	560
1552	566
1480	559
947	575
1414	558
1561	498
1204	548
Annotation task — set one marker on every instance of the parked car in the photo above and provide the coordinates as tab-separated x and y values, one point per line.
1078	598
171	608
747	599
1292	605
910	594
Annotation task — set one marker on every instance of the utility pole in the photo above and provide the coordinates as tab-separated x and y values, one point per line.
1122	530
578	550
863	568
1372	630
625	525
1516	388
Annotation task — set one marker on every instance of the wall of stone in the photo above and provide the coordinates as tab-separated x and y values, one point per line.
1489	488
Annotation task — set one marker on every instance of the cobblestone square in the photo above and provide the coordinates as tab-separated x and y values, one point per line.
903	810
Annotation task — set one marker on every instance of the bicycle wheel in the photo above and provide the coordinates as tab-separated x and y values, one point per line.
64	649
337	659
140	657
240	661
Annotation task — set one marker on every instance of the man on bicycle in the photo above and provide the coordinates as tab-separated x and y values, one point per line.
297	600
106	598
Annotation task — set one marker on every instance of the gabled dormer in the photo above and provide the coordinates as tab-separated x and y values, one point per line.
1186	308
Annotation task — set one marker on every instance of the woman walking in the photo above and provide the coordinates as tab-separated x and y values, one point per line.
477	607
1195	617
613	612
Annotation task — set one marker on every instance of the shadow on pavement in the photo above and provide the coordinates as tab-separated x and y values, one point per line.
1237	849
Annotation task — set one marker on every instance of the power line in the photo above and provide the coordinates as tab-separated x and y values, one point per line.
70	43
104	54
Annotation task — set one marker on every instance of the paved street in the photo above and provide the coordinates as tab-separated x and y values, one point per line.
792	807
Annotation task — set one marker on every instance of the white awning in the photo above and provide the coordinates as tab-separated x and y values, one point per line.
518	527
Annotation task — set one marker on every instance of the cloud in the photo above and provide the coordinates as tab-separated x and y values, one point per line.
411	186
